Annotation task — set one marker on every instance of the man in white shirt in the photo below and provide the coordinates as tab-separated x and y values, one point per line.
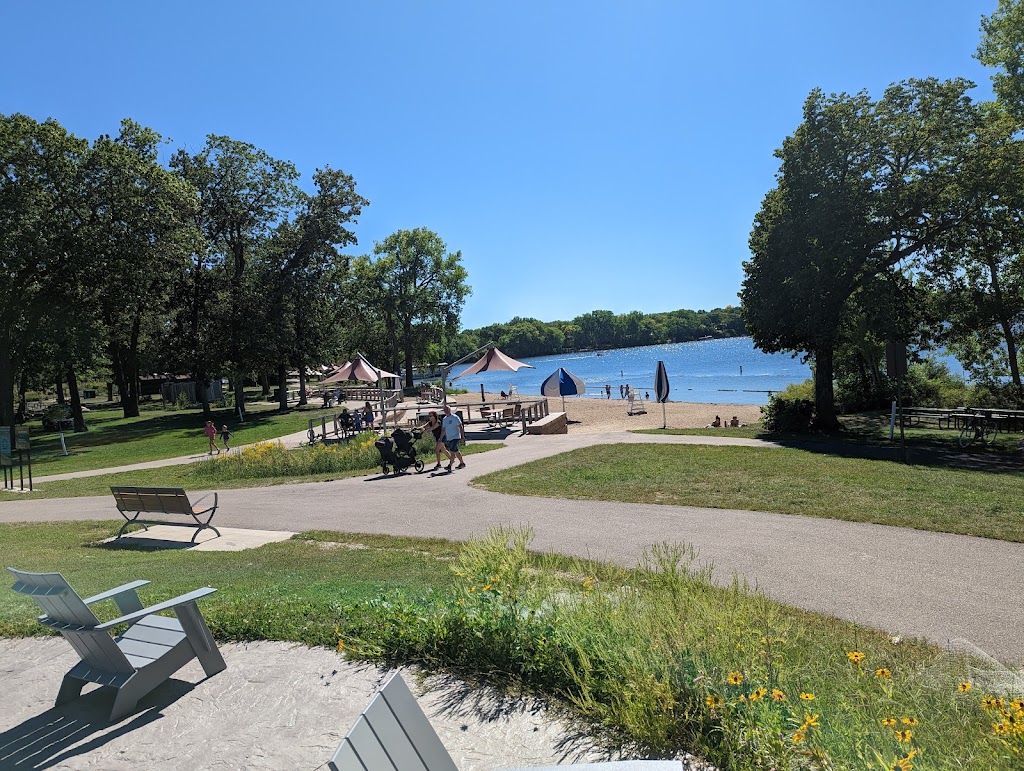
454	432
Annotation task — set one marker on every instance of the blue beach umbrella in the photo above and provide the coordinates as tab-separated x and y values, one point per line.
661	390
562	383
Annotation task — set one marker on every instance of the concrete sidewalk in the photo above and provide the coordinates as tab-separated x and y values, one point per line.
277	706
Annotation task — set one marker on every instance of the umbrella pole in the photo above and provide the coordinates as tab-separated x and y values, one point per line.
664	420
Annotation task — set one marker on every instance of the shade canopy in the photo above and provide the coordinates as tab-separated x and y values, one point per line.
492	361
562	383
358	369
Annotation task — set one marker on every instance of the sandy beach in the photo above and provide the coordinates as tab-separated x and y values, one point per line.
589	415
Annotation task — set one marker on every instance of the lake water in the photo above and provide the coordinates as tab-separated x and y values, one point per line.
701	371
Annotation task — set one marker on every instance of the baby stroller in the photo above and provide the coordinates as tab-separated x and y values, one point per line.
397	452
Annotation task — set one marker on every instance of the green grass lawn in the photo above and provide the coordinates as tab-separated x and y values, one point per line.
183	476
791	481
652	660
113	440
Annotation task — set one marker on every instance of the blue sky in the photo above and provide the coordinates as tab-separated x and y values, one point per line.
581	155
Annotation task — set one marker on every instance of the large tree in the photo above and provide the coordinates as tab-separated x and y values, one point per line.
863	186
244	194
416	288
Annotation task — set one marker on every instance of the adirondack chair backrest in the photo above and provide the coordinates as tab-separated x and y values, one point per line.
164	500
392	734
61	603
54	595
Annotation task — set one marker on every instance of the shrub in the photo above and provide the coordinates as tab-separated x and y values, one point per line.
791	416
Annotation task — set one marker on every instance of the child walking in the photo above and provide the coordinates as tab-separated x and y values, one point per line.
211	433
225	436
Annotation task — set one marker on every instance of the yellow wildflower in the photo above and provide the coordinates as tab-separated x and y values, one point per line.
734	678
758	694
341	644
806	696
909	720
991	702
904	736
713	701
1000	728
888	722
799	736
810	719
883	673
1017	705
486	588
903	764
856	657
778	695
964	686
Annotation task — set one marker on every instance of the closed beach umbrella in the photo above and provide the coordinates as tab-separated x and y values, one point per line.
562	383
661	390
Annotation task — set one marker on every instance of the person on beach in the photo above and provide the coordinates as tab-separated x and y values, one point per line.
368	416
622	391
225	436
735	422
211	433
433	425
608	391
716	423
454	431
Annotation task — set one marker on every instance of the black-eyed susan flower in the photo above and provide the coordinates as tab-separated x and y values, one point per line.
805	696
758	693
909	720
888	722
811	719
1017	705
883	673
855	656
904	763
734	678
904	736
991	702
799	736
713	701
778	695
964	686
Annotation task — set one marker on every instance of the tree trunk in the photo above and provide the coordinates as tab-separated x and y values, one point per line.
203	393
61	399
302	384
1006	326
282	386
239	389
76	401
6	381
264	385
407	333
824	395
22	401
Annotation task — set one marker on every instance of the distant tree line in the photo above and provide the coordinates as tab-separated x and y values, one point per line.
898	218
217	264
600	330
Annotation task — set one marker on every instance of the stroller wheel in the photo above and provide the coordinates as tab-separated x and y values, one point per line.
384	469
419	466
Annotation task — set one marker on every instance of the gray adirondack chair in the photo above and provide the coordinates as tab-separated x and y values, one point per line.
393	734
151	650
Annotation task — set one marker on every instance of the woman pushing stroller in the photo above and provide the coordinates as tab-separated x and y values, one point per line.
433	425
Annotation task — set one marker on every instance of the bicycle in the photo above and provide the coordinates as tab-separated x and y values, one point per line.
978	428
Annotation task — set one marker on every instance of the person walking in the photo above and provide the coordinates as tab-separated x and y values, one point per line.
622	391
454	431
225	436
433	425
608	391
211	433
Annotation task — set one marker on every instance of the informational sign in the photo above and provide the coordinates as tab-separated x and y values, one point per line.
21	438
5	446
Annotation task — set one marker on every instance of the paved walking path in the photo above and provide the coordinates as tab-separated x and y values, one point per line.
906	582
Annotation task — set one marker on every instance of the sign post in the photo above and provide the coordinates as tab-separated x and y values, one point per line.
21	442
6	457
896	366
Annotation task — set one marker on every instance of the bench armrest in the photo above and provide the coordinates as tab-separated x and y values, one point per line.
166	605
111	593
196	504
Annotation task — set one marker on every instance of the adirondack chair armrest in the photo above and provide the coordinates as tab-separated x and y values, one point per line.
166	605
112	593
209	508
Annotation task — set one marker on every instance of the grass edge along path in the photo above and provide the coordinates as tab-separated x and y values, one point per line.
653	660
186	476
786	481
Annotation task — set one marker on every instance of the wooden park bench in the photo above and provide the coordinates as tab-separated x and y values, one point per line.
553	423
393	734
166	502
